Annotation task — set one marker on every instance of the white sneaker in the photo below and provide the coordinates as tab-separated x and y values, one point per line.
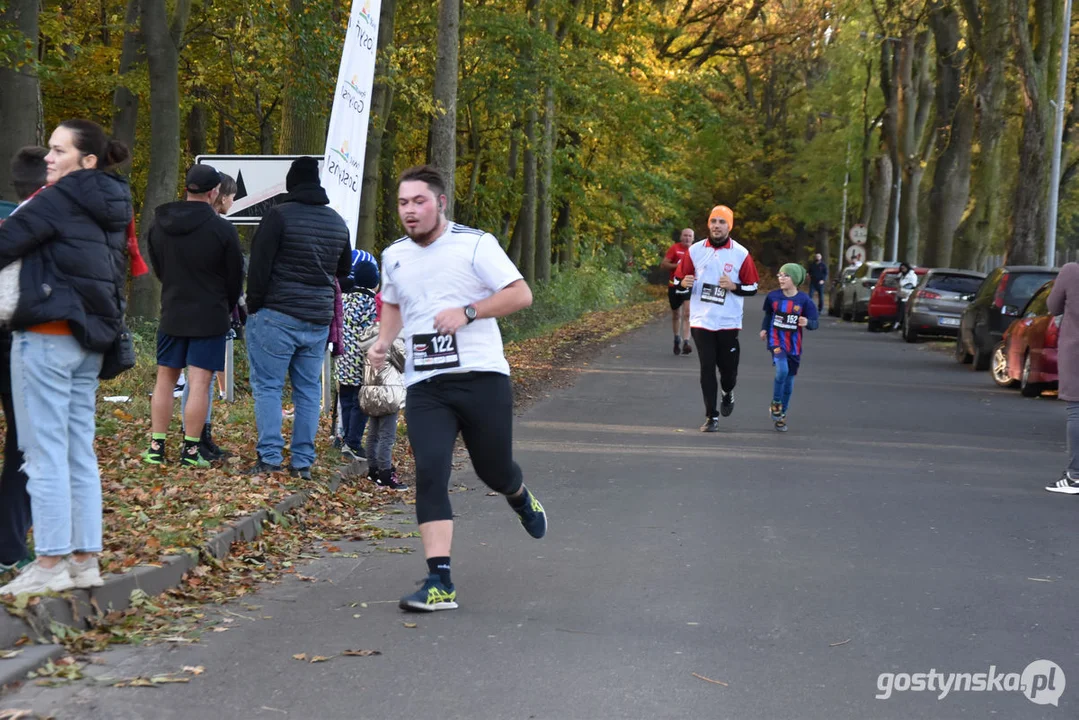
36	580
85	574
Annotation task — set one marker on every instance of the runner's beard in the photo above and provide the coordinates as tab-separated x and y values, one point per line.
428	237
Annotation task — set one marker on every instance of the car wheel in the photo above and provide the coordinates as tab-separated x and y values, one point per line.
910	334
961	355
1027	388
999	368
980	361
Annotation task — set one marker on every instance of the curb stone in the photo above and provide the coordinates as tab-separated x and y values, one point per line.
77	608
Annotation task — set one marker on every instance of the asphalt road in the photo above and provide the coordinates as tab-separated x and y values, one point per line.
899	527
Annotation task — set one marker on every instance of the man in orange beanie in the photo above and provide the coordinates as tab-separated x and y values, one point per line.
720	274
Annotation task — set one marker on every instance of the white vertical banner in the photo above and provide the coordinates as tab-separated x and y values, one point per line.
346	141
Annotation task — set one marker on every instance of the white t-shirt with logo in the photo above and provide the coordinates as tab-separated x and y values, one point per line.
461	267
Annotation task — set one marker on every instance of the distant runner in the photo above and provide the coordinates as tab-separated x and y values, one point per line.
721	274
678	295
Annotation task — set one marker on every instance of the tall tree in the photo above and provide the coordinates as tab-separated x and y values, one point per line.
20	93
164	36
381	103
1037	29
444	124
916	137
125	102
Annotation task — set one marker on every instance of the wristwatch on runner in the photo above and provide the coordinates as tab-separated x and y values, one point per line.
470	313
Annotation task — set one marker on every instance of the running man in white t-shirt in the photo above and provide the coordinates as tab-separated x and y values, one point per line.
721	273
445	284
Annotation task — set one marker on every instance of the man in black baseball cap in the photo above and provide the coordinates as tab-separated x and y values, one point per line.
196	255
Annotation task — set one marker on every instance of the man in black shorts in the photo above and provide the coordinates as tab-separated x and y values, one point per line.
444	285
677	295
196	255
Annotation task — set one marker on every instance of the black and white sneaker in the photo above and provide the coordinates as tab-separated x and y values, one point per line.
726	405
710	425
1066	484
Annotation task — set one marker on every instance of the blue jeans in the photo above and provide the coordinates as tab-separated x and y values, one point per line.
784	382
278	344
353	420
818	290
380	440
53	386
209	406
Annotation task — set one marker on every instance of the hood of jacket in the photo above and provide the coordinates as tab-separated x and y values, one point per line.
308	194
184	217
105	197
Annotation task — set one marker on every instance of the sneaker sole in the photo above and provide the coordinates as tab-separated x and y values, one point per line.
88	585
415	606
1063	491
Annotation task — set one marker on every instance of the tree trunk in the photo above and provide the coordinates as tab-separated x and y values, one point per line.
563	230
955	121
880	217
1038	46
303	119
391	228
381	102
125	104
163	43
444	123
226	136
196	130
989	34
20	96
511	173
526	218
544	207
822	241
915	137
889	70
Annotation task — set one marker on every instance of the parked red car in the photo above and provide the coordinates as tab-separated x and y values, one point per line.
1027	356
884	300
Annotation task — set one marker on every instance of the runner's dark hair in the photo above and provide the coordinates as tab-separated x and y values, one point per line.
428	174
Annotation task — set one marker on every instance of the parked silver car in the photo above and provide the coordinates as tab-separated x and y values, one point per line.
936	305
855	301
839	286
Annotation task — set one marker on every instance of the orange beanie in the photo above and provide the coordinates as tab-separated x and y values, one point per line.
724	212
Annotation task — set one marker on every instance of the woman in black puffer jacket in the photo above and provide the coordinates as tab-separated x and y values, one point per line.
71	242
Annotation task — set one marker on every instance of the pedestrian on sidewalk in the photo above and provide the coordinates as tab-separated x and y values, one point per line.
381	398
226	194
678	296
300	247
444	285
28	171
359	316
720	274
72	239
787	312
196	255
1064	300
818	276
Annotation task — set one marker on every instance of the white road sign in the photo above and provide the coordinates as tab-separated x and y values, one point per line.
855	254
260	182
858	234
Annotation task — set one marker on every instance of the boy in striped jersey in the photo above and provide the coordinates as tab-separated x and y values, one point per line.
786	312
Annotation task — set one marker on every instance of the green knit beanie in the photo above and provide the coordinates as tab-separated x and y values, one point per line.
795	272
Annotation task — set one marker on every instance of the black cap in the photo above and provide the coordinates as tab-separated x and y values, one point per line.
304	171
201	179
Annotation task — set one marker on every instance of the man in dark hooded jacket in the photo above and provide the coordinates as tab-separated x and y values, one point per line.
299	248
196	255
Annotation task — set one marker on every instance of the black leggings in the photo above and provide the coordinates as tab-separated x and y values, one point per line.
716	349
480	407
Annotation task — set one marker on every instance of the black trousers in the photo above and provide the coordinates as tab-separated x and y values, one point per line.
716	349
14	500
480	407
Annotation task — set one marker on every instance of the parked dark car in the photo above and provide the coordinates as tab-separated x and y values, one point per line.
935	306
998	301
1027	356
839	286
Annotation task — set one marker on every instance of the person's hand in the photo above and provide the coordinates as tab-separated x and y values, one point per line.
687	281
764	335
803	321
377	353
450	321
726	283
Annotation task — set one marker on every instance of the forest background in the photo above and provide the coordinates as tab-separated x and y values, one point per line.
586	133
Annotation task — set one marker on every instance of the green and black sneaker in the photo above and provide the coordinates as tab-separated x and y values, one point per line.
191	457
155	455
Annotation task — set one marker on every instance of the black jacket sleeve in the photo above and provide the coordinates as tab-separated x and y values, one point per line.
344	263
264	248
28	229
151	245
234	266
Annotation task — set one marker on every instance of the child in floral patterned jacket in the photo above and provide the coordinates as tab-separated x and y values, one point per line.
359	314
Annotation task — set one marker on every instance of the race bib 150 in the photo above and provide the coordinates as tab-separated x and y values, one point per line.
713	294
